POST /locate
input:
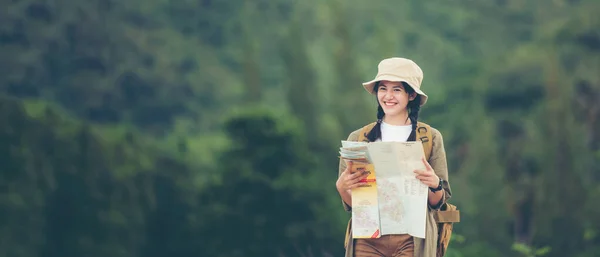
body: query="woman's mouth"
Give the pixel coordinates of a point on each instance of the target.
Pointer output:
(389, 103)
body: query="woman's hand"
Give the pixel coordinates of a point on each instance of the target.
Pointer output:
(348, 179)
(428, 176)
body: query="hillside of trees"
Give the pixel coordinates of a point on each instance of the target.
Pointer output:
(211, 128)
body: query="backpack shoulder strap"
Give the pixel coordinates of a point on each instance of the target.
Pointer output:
(362, 135)
(424, 134)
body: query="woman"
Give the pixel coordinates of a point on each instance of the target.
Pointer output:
(397, 87)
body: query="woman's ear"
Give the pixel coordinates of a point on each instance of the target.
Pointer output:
(412, 96)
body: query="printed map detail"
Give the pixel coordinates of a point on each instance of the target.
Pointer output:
(390, 205)
(365, 222)
(365, 211)
(401, 206)
(402, 198)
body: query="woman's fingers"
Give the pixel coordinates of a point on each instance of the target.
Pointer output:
(423, 173)
(348, 166)
(424, 178)
(358, 174)
(353, 180)
(356, 184)
(359, 184)
(357, 177)
(428, 180)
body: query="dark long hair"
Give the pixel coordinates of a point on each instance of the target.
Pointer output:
(413, 114)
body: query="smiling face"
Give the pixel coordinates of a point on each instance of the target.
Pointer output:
(394, 98)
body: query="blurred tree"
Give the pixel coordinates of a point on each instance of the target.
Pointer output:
(303, 96)
(264, 203)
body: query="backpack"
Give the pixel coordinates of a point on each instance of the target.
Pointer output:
(448, 214)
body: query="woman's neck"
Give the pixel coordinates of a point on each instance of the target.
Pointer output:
(398, 120)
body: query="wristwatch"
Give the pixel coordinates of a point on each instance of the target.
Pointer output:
(438, 188)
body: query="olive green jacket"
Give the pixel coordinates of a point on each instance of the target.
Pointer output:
(423, 247)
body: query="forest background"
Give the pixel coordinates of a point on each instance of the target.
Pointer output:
(211, 128)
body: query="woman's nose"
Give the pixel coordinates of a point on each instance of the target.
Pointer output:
(387, 95)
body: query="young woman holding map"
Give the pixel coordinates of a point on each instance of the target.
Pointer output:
(397, 87)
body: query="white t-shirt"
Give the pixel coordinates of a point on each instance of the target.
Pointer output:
(396, 133)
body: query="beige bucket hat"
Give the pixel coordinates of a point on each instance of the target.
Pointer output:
(399, 70)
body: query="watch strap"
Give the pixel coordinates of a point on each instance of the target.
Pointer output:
(438, 188)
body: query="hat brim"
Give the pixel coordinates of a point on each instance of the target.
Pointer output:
(369, 86)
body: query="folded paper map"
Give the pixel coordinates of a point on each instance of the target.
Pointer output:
(394, 201)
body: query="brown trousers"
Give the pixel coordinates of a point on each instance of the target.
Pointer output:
(385, 246)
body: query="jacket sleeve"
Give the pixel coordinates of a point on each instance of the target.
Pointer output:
(438, 162)
(342, 166)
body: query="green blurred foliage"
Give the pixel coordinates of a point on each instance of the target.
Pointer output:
(211, 128)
